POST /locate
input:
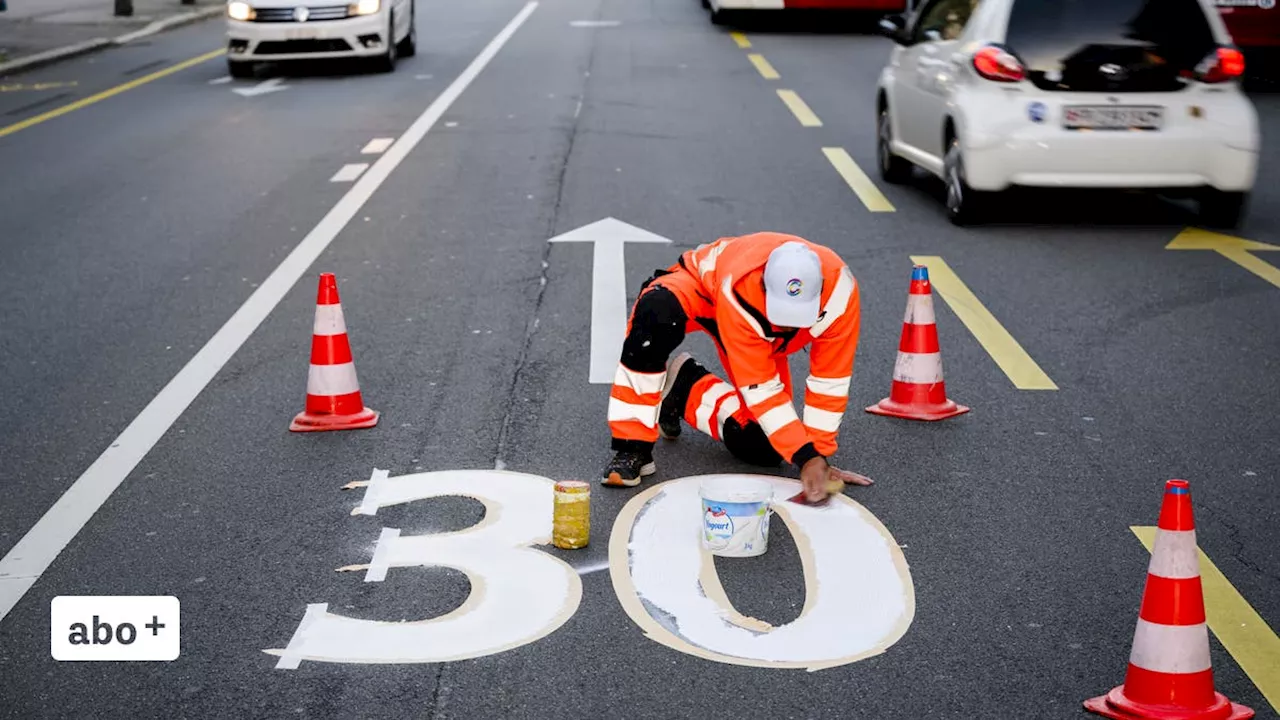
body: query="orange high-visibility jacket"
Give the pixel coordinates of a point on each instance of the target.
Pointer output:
(730, 274)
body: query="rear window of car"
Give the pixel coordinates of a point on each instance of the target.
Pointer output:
(1079, 44)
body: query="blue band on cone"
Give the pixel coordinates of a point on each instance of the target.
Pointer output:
(920, 272)
(1175, 490)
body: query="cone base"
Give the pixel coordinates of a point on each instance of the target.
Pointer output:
(1116, 706)
(309, 422)
(889, 408)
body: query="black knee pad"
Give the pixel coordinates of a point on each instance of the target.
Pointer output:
(657, 329)
(749, 444)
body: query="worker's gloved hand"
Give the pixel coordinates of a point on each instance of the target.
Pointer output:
(814, 475)
(848, 477)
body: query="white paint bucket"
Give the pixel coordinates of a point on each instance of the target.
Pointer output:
(735, 516)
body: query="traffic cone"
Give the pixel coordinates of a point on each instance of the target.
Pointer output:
(1169, 676)
(333, 393)
(918, 392)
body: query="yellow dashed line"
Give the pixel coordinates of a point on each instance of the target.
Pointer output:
(741, 39)
(72, 107)
(858, 181)
(999, 344)
(766, 70)
(1237, 625)
(798, 108)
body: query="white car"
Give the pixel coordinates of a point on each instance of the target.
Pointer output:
(1134, 94)
(277, 30)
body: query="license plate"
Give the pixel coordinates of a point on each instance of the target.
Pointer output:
(302, 34)
(1110, 117)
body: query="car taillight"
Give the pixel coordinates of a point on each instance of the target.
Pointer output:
(996, 63)
(1221, 65)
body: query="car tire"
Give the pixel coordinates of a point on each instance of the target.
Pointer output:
(1223, 210)
(239, 69)
(387, 61)
(722, 17)
(409, 45)
(893, 169)
(706, 4)
(965, 206)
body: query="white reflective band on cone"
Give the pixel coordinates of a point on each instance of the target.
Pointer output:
(642, 383)
(820, 419)
(919, 310)
(707, 406)
(727, 409)
(331, 380)
(831, 387)
(757, 394)
(1174, 555)
(329, 321)
(1170, 648)
(918, 368)
(621, 412)
(777, 418)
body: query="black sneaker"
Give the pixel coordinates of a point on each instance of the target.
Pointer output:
(628, 468)
(682, 372)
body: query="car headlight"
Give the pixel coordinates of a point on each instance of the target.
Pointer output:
(365, 7)
(239, 11)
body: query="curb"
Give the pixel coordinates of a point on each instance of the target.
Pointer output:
(167, 23)
(51, 56)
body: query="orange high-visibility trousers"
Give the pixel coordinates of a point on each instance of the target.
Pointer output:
(669, 307)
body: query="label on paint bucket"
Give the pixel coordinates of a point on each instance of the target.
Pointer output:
(735, 518)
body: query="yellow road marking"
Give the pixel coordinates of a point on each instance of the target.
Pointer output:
(999, 344)
(766, 70)
(71, 107)
(741, 39)
(1237, 625)
(798, 108)
(1237, 250)
(858, 181)
(20, 87)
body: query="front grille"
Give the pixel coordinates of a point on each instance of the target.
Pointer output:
(289, 47)
(315, 14)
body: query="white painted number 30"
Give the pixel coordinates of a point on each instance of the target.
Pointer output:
(859, 598)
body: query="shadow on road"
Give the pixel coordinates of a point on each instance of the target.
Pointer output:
(1072, 207)
(328, 68)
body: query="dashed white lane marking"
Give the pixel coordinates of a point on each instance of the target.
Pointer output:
(32, 555)
(377, 146)
(349, 172)
(595, 23)
(220, 81)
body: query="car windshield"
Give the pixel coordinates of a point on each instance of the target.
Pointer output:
(1109, 45)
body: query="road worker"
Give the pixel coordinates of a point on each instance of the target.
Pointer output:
(761, 298)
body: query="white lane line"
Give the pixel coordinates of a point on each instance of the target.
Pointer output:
(27, 561)
(349, 172)
(595, 23)
(377, 146)
(220, 81)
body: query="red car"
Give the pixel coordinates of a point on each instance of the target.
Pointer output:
(1255, 27)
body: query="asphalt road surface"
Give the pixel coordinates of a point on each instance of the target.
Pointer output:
(135, 226)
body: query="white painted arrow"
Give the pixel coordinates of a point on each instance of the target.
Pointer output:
(608, 289)
(262, 88)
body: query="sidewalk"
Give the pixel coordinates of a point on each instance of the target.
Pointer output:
(36, 31)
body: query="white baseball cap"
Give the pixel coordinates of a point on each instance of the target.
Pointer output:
(793, 286)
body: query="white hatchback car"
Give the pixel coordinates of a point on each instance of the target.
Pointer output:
(276, 30)
(1134, 94)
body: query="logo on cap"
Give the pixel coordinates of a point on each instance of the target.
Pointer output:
(794, 286)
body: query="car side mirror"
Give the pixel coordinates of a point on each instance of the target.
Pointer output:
(895, 28)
